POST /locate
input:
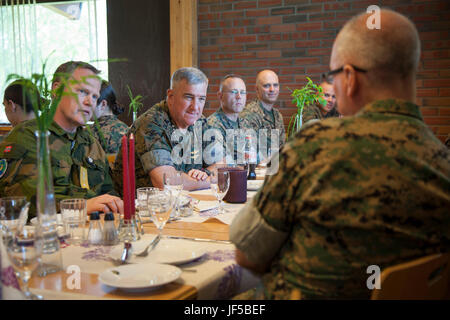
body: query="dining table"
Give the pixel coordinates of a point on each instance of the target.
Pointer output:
(209, 273)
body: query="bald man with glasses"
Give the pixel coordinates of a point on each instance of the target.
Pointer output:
(369, 189)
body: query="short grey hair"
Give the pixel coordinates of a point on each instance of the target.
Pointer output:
(228, 76)
(190, 74)
(389, 52)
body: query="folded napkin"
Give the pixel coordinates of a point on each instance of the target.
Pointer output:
(204, 205)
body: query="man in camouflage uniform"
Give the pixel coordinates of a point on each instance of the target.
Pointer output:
(79, 165)
(168, 136)
(112, 130)
(108, 129)
(232, 95)
(318, 111)
(261, 113)
(372, 188)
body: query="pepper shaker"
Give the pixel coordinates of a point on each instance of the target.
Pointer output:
(110, 234)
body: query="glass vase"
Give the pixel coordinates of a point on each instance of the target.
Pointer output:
(51, 260)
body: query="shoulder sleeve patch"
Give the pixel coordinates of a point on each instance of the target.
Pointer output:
(3, 167)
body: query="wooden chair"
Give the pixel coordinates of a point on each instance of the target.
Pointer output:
(424, 278)
(111, 159)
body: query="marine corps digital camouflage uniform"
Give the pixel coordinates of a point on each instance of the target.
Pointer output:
(372, 189)
(313, 112)
(218, 120)
(255, 116)
(153, 146)
(69, 153)
(112, 129)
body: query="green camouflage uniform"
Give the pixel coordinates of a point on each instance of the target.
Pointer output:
(372, 189)
(255, 116)
(313, 112)
(153, 146)
(68, 151)
(218, 120)
(113, 129)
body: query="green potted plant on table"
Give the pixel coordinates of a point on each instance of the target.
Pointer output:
(308, 95)
(135, 103)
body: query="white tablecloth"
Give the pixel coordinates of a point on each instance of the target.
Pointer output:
(217, 275)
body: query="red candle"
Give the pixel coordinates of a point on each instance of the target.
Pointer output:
(132, 176)
(126, 179)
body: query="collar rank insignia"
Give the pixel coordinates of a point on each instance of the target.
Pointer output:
(7, 149)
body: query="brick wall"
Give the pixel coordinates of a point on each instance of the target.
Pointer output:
(294, 38)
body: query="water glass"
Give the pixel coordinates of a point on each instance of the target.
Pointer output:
(173, 181)
(74, 218)
(142, 196)
(13, 214)
(24, 249)
(161, 203)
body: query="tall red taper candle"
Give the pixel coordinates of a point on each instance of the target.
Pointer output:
(126, 179)
(132, 175)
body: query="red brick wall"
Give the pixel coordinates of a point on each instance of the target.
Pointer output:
(294, 38)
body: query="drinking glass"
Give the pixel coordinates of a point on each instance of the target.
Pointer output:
(161, 204)
(74, 218)
(24, 249)
(220, 182)
(173, 181)
(142, 196)
(13, 215)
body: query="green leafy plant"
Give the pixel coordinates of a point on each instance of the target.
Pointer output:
(308, 95)
(135, 103)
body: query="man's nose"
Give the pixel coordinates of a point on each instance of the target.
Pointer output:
(89, 100)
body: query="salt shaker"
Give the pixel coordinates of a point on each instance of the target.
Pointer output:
(95, 229)
(110, 234)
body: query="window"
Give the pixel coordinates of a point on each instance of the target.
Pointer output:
(68, 30)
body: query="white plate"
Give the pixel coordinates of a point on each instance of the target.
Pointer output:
(58, 219)
(138, 276)
(167, 251)
(254, 185)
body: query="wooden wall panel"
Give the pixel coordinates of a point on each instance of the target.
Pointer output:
(183, 34)
(139, 31)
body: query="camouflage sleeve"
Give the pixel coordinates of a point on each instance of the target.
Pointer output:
(308, 114)
(153, 146)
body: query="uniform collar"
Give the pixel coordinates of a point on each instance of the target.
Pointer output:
(223, 115)
(57, 130)
(397, 106)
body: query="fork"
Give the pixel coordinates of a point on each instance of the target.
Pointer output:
(152, 245)
(125, 252)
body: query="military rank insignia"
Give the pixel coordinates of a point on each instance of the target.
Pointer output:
(3, 167)
(7, 149)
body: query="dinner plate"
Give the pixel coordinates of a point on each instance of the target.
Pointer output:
(167, 251)
(138, 276)
(254, 185)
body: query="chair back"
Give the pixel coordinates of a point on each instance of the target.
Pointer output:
(424, 278)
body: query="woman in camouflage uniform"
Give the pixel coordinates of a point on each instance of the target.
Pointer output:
(106, 113)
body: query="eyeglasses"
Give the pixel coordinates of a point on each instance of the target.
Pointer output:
(329, 76)
(235, 92)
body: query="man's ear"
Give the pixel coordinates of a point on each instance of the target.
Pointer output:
(219, 95)
(13, 105)
(55, 85)
(350, 80)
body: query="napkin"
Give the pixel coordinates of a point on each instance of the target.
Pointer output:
(203, 205)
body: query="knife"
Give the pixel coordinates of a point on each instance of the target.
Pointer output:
(199, 239)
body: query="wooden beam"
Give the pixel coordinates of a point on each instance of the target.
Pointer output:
(183, 34)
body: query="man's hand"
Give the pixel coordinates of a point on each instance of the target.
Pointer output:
(105, 203)
(198, 175)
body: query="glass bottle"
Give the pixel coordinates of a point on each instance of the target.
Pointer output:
(95, 234)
